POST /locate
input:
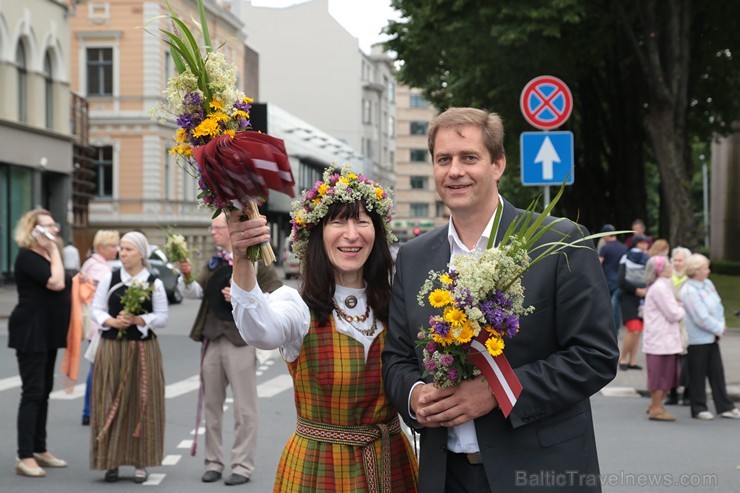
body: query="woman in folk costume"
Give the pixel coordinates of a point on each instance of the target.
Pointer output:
(331, 334)
(127, 419)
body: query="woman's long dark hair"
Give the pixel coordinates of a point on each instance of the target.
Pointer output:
(317, 273)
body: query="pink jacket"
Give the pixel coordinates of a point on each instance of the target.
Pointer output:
(661, 315)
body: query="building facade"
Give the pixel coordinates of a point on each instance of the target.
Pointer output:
(121, 66)
(418, 206)
(315, 70)
(35, 136)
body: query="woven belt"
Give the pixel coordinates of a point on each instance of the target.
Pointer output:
(364, 436)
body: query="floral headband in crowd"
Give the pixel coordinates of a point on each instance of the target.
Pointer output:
(344, 186)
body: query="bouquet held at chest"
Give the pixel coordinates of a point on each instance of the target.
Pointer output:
(134, 298)
(480, 300)
(235, 166)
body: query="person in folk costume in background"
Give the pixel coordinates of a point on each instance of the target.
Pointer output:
(331, 334)
(225, 360)
(127, 419)
(37, 327)
(661, 340)
(96, 267)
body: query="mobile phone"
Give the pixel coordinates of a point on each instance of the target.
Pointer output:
(43, 231)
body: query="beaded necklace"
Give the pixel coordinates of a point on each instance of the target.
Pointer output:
(358, 318)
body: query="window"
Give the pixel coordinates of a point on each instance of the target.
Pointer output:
(100, 71)
(369, 151)
(419, 182)
(367, 116)
(49, 91)
(419, 128)
(20, 63)
(104, 171)
(391, 92)
(391, 126)
(418, 101)
(419, 210)
(440, 209)
(418, 156)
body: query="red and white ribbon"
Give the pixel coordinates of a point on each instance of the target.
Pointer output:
(498, 372)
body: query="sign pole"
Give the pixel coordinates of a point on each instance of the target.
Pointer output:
(547, 196)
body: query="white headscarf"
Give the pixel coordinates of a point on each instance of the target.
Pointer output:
(140, 243)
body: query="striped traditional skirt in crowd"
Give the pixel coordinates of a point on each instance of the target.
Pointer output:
(127, 416)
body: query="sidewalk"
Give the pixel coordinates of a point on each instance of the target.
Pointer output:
(630, 382)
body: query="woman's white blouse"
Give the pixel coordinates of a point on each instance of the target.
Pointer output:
(155, 320)
(281, 319)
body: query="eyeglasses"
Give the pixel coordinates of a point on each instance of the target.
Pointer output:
(216, 228)
(52, 225)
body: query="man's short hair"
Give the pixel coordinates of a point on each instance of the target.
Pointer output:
(491, 125)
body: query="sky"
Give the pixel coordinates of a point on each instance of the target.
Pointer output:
(362, 18)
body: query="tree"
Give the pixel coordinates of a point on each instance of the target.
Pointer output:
(640, 73)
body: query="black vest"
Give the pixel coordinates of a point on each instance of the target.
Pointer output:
(116, 292)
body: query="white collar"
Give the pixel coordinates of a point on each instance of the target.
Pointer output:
(456, 243)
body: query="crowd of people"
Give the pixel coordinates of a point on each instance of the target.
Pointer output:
(666, 297)
(349, 334)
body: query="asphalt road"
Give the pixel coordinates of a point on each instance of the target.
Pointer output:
(636, 455)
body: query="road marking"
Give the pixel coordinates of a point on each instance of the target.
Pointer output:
(62, 395)
(201, 431)
(274, 386)
(619, 392)
(185, 444)
(154, 479)
(10, 383)
(171, 460)
(182, 387)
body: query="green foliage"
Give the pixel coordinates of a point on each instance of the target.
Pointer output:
(728, 287)
(472, 53)
(727, 268)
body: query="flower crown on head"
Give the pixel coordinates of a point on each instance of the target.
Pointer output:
(344, 186)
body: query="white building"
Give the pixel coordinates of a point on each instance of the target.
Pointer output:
(311, 66)
(35, 135)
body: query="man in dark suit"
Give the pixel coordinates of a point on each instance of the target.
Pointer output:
(564, 352)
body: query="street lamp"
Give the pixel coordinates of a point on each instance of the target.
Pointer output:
(705, 198)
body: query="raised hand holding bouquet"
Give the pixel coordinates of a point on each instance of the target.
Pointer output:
(234, 165)
(481, 299)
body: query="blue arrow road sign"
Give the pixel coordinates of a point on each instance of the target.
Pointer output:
(547, 158)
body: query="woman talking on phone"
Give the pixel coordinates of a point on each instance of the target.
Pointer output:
(36, 329)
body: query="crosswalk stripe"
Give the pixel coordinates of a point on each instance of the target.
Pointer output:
(171, 460)
(62, 395)
(266, 389)
(10, 383)
(182, 387)
(274, 386)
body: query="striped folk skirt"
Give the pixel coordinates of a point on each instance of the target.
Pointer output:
(127, 416)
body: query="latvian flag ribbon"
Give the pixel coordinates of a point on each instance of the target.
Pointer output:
(498, 372)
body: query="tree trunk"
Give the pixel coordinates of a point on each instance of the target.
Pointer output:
(674, 181)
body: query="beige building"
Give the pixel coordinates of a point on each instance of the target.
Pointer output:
(121, 66)
(35, 137)
(418, 207)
